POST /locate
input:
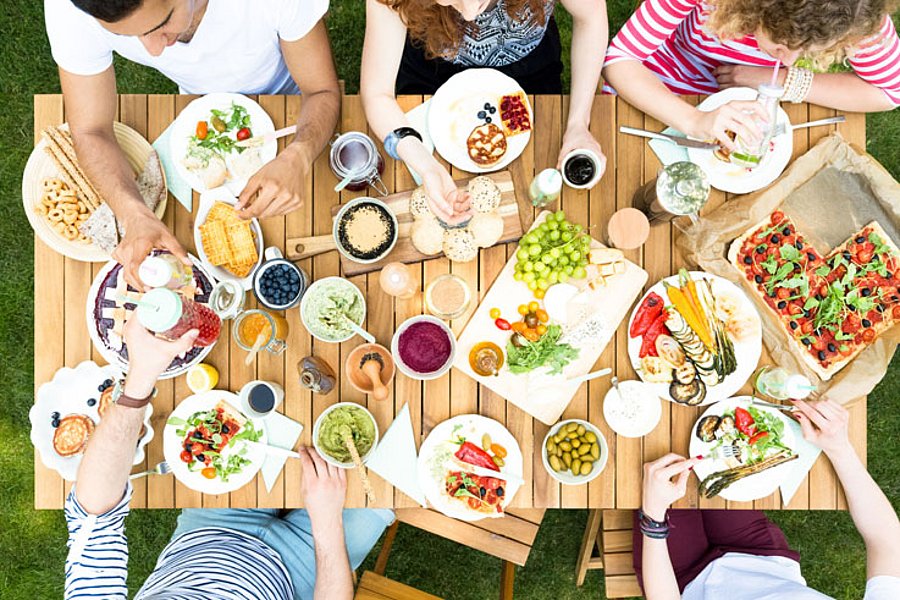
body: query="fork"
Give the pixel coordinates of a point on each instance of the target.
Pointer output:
(162, 468)
(780, 128)
(722, 452)
(765, 404)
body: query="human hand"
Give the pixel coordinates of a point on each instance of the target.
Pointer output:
(447, 202)
(277, 188)
(143, 233)
(737, 116)
(579, 137)
(730, 76)
(659, 490)
(149, 356)
(324, 488)
(825, 424)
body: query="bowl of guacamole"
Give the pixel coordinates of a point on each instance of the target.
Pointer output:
(336, 423)
(327, 306)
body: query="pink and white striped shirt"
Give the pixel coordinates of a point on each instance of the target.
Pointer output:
(671, 38)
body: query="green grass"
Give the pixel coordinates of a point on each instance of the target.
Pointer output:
(32, 543)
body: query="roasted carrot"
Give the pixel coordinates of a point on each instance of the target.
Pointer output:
(689, 288)
(683, 305)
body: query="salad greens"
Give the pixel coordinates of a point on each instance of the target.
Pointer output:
(757, 440)
(225, 463)
(546, 351)
(222, 124)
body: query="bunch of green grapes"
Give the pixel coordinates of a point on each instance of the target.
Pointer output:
(551, 253)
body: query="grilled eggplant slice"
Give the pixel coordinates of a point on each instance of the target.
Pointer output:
(687, 393)
(707, 427)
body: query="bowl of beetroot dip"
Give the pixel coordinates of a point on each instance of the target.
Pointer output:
(423, 347)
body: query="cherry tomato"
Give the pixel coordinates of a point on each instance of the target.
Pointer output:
(539, 293)
(895, 312)
(541, 329)
(519, 327)
(243, 133)
(474, 503)
(209, 473)
(533, 306)
(186, 456)
(868, 335)
(523, 309)
(498, 450)
(202, 130)
(542, 315)
(495, 313)
(777, 217)
(807, 327)
(531, 335)
(782, 293)
(864, 256)
(502, 324)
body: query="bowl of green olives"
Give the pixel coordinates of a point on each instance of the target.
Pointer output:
(574, 452)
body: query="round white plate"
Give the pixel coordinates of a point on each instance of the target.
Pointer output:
(453, 114)
(747, 351)
(185, 125)
(110, 354)
(172, 446)
(439, 447)
(635, 415)
(67, 393)
(732, 178)
(207, 199)
(40, 166)
(752, 487)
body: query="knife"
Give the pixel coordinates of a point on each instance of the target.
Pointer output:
(260, 140)
(681, 141)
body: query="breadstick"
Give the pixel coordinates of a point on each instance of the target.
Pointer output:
(62, 151)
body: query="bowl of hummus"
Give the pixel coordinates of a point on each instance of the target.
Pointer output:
(337, 423)
(327, 306)
(423, 347)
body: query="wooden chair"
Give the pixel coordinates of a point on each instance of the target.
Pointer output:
(609, 533)
(510, 539)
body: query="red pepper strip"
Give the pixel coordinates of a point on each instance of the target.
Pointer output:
(657, 328)
(471, 454)
(647, 313)
(760, 435)
(744, 422)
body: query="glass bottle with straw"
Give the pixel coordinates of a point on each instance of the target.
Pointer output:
(748, 154)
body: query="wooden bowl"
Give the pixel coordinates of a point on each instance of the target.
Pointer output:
(353, 367)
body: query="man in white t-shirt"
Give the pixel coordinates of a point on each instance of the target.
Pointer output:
(248, 46)
(739, 554)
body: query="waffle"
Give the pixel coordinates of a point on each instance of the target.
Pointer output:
(215, 242)
(72, 434)
(228, 240)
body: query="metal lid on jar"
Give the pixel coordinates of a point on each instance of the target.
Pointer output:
(159, 309)
(227, 299)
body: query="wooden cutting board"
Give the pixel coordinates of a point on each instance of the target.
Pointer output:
(589, 324)
(404, 251)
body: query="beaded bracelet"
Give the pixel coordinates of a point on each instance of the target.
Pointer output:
(797, 84)
(657, 530)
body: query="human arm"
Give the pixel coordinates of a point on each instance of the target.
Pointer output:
(324, 488)
(382, 52)
(277, 188)
(825, 424)
(659, 492)
(90, 111)
(590, 34)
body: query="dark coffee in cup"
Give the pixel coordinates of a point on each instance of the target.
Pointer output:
(262, 398)
(580, 169)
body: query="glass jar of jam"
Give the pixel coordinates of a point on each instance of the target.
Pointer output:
(170, 316)
(354, 155)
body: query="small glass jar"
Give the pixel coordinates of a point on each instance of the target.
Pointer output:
(251, 324)
(170, 316)
(355, 155)
(448, 297)
(227, 299)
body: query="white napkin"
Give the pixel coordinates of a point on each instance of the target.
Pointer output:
(808, 455)
(668, 152)
(177, 186)
(282, 432)
(394, 458)
(418, 120)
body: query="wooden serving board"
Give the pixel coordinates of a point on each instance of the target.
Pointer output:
(543, 396)
(404, 251)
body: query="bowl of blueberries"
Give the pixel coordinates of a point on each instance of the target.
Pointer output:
(278, 283)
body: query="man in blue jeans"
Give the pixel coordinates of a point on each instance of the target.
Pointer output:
(213, 554)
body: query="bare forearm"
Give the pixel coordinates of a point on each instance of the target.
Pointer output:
(388, 116)
(316, 123)
(589, 39)
(643, 90)
(658, 574)
(846, 91)
(334, 580)
(103, 162)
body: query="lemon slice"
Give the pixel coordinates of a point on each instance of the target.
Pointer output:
(202, 378)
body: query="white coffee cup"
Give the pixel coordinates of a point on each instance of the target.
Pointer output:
(277, 397)
(590, 155)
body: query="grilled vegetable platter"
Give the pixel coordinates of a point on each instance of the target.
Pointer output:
(748, 450)
(695, 337)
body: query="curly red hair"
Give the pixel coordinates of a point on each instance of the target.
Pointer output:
(439, 30)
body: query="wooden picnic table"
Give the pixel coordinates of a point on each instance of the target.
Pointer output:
(61, 337)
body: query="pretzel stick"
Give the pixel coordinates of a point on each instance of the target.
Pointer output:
(62, 151)
(354, 454)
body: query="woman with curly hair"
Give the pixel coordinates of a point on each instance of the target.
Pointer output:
(671, 47)
(414, 46)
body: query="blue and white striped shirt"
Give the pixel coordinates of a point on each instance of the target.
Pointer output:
(211, 563)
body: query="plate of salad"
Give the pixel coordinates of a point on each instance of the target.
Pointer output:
(463, 467)
(204, 136)
(206, 442)
(760, 450)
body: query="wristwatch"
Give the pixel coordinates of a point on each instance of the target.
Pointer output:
(394, 137)
(119, 397)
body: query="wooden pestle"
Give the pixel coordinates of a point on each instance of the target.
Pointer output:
(371, 367)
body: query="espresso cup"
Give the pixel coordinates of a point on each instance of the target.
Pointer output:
(577, 162)
(260, 398)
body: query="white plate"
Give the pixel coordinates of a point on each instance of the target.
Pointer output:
(755, 486)
(67, 393)
(566, 477)
(110, 354)
(40, 166)
(637, 414)
(172, 446)
(747, 351)
(453, 115)
(185, 125)
(732, 178)
(207, 199)
(438, 447)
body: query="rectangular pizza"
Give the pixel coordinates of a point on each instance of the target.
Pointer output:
(832, 307)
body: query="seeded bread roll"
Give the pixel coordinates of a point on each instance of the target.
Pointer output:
(485, 194)
(459, 245)
(427, 236)
(418, 204)
(486, 228)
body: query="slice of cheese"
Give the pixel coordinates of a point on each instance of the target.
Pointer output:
(604, 256)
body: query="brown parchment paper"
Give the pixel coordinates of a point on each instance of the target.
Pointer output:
(830, 192)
